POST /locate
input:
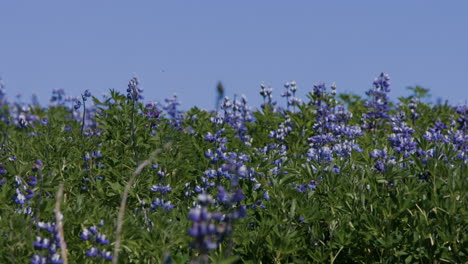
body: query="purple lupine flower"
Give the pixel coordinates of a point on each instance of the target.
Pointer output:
(203, 229)
(401, 139)
(305, 187)
(98, 240)
(435, 133)
(55, 259)
(106, 255)
(378, 154)
(287, 93)
(77, 104)
(38, 259)
(238, 196)
(29, 194)
(378, 105)
(38, 244)
(50, 243)
(380, 166)
(167, 206)
(413, 106)
(332, 133)
(86, 94)
(19, 198)
(267, 94)
(134, 93)
(161, 189)
(92, 252)
(336, 169)
(57, 97)
(283, 130)
(176, 118)
(151, 111)
(32, 181)
(381, 156)
(101, 239)
(93, 229)
(462, 120)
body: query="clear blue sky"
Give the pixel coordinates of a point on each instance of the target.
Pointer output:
(185, 47)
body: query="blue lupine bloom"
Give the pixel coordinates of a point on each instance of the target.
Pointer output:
(267, 94)
(283, 130)
(435, 133)
(97, 239)
(237, 196)
(38, 259)
(101, 239)
(336, 169)
(107, 255)
(133, 91)
(168, 206)
(333, 135)
(55, 259)
(170, 107)
(380, 166)
(198, 189)
(29, 194)
(378, 154)
(163, 204)
(161, 189)
(41, 243)
(203, 229)
(96, 154)
(86, 94)
(77, 104)
(305, 187)
(378, 106)
(199, 214)
(93, 229)
(19, 198)
(50, 243)
(92, 252)
(32, 181)
(152, 112)
(57, 97)
(53, 247)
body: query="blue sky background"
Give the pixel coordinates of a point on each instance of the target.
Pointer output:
(186, 47)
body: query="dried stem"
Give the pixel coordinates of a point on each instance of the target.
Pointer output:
(120, 218)
(59, 224)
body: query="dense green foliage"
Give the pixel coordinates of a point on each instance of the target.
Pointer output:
(299, 209)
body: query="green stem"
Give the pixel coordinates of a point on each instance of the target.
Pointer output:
(133, 132)
(84, 115)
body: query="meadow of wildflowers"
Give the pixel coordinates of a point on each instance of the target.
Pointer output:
(331, 178)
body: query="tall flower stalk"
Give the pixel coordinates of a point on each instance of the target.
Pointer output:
(379, 104)
(134, 94)
(84, 97)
